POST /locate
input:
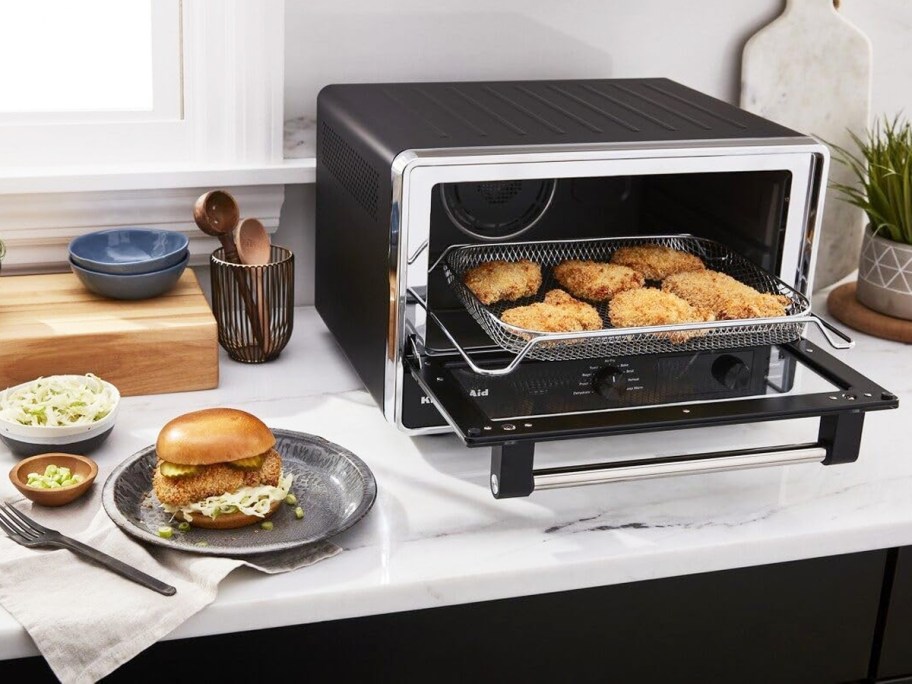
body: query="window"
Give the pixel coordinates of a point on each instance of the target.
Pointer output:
(90, 60)
(139, 84)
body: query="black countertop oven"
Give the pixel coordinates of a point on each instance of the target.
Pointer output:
(416, 183)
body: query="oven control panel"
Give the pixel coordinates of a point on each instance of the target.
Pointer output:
(540, 388)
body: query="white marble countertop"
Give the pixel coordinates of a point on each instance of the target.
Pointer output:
(436, 536)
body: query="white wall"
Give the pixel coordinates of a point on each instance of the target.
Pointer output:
(698, 43)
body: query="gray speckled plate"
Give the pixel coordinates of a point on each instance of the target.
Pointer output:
(333, 486)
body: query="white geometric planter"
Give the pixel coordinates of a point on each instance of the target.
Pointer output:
(885, 276)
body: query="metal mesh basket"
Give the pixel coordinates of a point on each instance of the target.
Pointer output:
(622, 341)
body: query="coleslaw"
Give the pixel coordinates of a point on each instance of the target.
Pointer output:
(255, 501)
(58, 401)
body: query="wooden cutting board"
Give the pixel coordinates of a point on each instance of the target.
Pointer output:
(810, 70)
(50, 324)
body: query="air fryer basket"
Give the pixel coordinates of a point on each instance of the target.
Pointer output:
(622, 341)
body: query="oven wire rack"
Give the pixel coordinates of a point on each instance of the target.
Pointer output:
(610, 341)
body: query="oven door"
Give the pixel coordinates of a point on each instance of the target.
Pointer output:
(542, 400)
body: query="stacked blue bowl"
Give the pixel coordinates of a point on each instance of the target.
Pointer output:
(129, 263)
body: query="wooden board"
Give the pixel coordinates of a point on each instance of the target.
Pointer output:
(810, 70)
(843, 306)
(50, 324)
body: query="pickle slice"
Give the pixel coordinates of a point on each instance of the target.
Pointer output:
(177, 470)
(249, 463)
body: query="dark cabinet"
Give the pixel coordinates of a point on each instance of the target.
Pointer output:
(896, 647)
(817, 620)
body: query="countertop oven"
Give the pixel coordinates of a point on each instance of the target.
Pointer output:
(416, 182)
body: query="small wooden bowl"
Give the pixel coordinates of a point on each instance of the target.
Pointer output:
(79, 465)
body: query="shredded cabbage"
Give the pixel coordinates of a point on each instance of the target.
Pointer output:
(59, 400)
(248, 500)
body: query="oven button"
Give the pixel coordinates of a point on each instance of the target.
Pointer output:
(731, 372)
(610, 382)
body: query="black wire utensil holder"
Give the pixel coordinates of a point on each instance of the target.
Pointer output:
(253, 305)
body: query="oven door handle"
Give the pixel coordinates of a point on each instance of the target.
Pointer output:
(512, 472)
(574, 476)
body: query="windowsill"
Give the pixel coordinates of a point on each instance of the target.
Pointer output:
(299, 166)
(123, 177)
(42, 209)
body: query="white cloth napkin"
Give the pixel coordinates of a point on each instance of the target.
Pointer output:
(88, 621)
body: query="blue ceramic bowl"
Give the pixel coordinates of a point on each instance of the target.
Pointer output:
(140, 286)
(129, 250)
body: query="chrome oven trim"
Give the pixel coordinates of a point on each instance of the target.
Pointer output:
(802, 243)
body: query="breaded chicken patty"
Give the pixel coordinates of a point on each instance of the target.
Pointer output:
(558, 313)
(596, 281)
(656, 262)
(649, 306)
(727, 298)
(498, 281)
(214, 480)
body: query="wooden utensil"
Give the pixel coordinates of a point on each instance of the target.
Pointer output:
(254, 248)
(216, 213)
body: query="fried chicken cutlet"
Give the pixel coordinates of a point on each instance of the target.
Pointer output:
(649, 306)
(727, 298)
(558, 313)
(656, 262)
(214, 480)
(497, 281)
(595, 280)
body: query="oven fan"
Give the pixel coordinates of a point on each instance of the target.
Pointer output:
(497, 210)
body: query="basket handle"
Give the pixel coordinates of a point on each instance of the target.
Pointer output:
(836, 337)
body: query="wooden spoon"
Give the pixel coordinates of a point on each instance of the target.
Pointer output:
(253, 244)
(254, 248)
(216, 213)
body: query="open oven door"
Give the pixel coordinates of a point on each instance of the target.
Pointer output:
(544, 400)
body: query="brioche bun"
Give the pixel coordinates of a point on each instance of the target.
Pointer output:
(215, 435)
(228, 521)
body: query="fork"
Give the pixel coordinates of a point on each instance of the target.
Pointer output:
(23, 530)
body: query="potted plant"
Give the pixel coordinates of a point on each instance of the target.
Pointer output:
(883, 167)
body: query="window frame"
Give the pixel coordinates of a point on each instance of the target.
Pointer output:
(230, 136)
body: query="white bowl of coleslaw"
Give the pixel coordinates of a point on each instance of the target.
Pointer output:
(68, 413)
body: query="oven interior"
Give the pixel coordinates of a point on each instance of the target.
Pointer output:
(745, 211)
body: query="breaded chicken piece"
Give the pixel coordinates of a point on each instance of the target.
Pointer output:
(727, 298)
(497, 281)
(656, 262)
(558, 313)
(596, 281)
(649, 306)
(213, 480)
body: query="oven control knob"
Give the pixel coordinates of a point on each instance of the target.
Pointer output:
(610, 382)
(731, 372)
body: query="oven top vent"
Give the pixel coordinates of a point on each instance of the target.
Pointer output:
(402, 116)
